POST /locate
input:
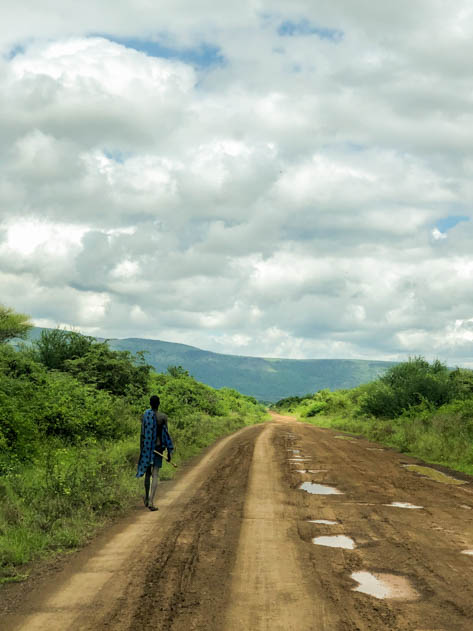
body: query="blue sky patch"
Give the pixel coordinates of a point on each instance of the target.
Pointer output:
(202, 56)
(117, 156)
(445, 224)
(18, 49)
(304, 27)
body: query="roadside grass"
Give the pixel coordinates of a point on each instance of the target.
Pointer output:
(58, 502)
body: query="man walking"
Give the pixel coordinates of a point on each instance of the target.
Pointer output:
(154, 437)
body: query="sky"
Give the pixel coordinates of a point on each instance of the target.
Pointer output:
(279, 179)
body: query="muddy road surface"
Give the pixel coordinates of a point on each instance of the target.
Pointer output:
(281, 526)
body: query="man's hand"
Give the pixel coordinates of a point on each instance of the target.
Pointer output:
(169, 457)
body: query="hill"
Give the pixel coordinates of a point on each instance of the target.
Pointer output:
(264, 378)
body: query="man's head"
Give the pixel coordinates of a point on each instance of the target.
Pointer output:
(154, 402)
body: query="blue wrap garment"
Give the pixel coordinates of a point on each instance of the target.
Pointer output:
(149, 429)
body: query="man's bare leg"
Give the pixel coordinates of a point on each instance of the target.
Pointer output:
(147, 484)
(154, 486)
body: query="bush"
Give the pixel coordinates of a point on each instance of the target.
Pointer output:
(409, 384)
(117, 372)
(56, 346)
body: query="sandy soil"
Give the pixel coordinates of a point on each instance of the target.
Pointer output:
(231, 547)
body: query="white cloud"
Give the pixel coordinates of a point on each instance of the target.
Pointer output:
(284, 202)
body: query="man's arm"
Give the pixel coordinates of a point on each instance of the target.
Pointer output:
(169, 444)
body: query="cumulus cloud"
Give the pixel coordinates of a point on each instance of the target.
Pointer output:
(287, 181)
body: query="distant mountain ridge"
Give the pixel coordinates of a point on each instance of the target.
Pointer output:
(264, 378)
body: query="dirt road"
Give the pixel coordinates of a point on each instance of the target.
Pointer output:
(235, 546)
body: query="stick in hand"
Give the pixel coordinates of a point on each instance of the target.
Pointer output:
(163, 456)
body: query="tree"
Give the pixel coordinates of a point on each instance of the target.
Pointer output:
(178, 372)
(56, 346)
(13, 324)
(118, 372)
(406, 385)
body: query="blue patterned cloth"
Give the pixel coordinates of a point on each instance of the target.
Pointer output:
(150, 440)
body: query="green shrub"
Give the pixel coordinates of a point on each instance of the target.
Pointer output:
(408, 384)
(56, 346)
(117, 372)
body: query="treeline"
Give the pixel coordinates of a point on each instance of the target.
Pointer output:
(70, 410)
(416, 406)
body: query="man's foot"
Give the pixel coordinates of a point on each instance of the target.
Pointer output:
(145, 501)
(153, 508)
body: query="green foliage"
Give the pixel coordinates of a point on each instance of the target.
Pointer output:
(36, 404)
(289, 403)
(461, 380)
(13, 325)
(177, 371)
(57, 503)
(409, 384)
(56, 346)
(182, 396)
(117, 372)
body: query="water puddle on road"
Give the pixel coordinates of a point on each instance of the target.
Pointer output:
(469, 552)
(403, 505)
(329, 522)
(384, 586)
(433, 474)
(319, 489)
(374, 449)
(346, 438)
(337, 541)
(311, 470)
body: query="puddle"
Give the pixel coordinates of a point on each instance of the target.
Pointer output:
(319, 489)
(403, 505)
(299, 460)
(323, 521)
(384, 586)
(346, 438)
(433, 474)
(469, 552)
(374, 449)
(337, 541)
(465, 506)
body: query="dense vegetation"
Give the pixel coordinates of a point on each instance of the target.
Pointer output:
(416, 406)
(70, 409)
